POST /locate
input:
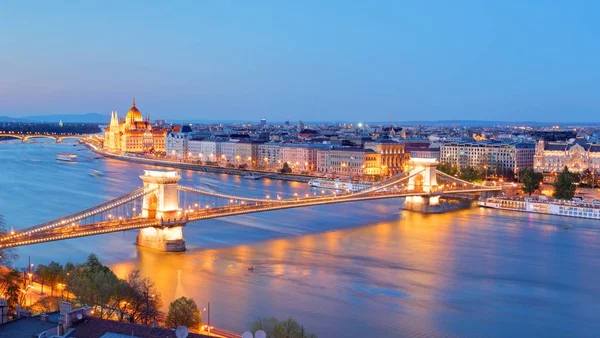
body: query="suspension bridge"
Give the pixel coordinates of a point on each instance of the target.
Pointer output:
(161, 207)
(25, 137)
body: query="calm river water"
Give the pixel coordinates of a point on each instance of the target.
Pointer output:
(356, 270)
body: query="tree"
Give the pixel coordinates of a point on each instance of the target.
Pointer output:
(470, 174)
(530, 179)
(588, 178)
(42, 275)
(10, 288)
(7, 256)
(54, 275)
(266, 324)
(447, 168)
(564, 187)
(288, 328)
(183, 311)
(286, 168)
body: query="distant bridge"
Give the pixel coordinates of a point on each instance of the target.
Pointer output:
(25, 137)
(162, 207)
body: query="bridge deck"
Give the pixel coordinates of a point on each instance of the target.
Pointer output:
(74, 231)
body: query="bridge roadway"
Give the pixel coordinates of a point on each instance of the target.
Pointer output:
(57, 137)
(74, 231)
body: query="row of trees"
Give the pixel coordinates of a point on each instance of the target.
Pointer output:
(134, 299)
(469, 173)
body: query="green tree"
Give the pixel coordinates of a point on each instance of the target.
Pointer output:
(54, 275)
(183, 311)
(588, 178)
(266, 324)
(41, 274)
(530, 179)
(288, 328)
(470, 174)
(10, 287)
(448, 168)
(286, 168)
(563, 187)
(7, 256)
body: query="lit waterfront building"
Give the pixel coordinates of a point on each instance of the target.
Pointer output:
(177, 142)
(269, 153)
(301, 157)
(577, 155)
(355, 162)
(133, 134)
(497, 157)
(392, 155)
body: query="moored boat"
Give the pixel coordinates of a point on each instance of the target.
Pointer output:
(338, 184)
(574, 208)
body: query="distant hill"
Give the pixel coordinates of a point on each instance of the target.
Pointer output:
(10, 119)
(76, 118)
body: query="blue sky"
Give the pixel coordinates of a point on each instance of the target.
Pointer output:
(311, 60)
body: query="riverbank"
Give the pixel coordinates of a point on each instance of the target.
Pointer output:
(205, 168)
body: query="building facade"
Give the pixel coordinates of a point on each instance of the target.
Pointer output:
(134, 134)
(300, 157)
(355, 162)
(269, 153)
(177, 142)
(495, 157)
(577, 155)
(391, 155)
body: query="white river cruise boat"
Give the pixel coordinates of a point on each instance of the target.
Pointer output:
(66, 157)
(575, 208)
(338, 184)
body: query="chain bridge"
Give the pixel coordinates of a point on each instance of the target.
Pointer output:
(161, 207)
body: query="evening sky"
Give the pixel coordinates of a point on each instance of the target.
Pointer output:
(311, 60)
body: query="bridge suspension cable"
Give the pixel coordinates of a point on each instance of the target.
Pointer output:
(78, 216)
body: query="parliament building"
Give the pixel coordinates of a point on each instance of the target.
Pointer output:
(134, 134)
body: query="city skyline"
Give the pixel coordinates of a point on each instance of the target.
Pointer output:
(310, 61)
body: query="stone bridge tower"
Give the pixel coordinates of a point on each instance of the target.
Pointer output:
(162, 203)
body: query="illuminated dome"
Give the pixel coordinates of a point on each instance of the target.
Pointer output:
(134, 115)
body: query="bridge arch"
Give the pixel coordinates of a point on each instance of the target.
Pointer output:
(423, 173)
(64, 137)
(17, 136)
(27, 137)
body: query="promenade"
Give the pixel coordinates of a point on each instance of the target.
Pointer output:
(163, 162)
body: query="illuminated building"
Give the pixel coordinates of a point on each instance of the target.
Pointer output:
(133, 134)
(577, 155)
(349, 161)
(497, 157)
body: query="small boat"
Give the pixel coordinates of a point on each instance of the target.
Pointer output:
(251, 176)
(66, 157)
(251, 269)
(95, 173)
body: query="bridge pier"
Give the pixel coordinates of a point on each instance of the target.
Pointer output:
(162, 203)
(420, 203)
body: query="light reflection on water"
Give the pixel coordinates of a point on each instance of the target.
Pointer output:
(341, 270)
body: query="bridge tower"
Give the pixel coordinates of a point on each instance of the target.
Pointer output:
(162, 203)
(423, 174)
(422, 178)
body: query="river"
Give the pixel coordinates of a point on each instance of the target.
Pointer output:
(356, 270)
